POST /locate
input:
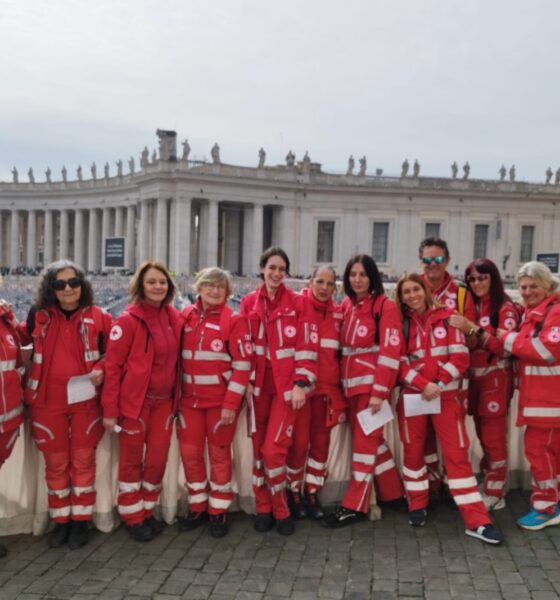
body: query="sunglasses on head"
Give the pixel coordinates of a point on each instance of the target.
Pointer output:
(479, 278)
(429, 260)
(59, 285)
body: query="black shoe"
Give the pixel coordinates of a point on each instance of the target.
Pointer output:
(263, 522)
(417, 518)
(59, 535)
(218, 525)
(285, 526)
(79, 534)
(156, 526)
(140, 532)
(192, 520)
(314, 509)
(343, 516)
(487, 533)
(398, 504)
(296, 504)
(3, 551)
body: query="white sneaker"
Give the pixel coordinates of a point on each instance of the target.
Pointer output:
(493, 502)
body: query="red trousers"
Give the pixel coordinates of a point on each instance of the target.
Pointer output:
(7, 442)
(275, 420)
(140, 473)
(68, 440)
(195, 427)
(542, 449)
(370, 457)
(451, 433)
(311, 440)
(431, 458)
(488, 403)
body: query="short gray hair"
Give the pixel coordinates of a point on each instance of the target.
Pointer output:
(214, 275)
(540, 272)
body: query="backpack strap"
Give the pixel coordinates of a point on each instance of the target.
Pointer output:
(539, 325)
(377, 317)
(406, 329)
(461, 298)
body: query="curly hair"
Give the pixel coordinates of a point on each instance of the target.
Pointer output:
(136, 285)
(45, 296)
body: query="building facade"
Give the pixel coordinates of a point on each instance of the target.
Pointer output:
(192, 214)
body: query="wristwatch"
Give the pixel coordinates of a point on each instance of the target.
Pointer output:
(480, 331)
(301, 384)
(440, 384)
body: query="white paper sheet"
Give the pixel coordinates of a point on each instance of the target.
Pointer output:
(80, 389)
(371, 421)
(415, 405)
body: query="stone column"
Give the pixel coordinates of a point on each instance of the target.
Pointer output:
(286, 234)
(105, 232)
(79, 257)
(14, 240)
(211, 258)
(93, 262)
(129, 245)
(160, 252)
(258, 225)
(31, 238)
(144, 231)
(64, 234)
(119, 221)
(182, 224)
(48, 238)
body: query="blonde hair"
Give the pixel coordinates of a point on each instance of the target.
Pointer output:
(540, 272)
(214, 275)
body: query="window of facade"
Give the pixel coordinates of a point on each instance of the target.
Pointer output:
(433, 229)
(527, 238)
(325, 241)
(380, 242)
(480, 241)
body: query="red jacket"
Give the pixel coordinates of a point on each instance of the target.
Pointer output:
(434, 351)
(537, 346)
(216, 363)
(447, 295)
(488, 355)
(94, 325)
(288, 335)
(128, 365)
(11, 393)
(370, 358)
(329, 320)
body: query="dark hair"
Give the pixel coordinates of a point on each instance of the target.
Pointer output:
(397, 293)
(375, 283)
(136, 285)
(269, 253)
(497, 293)
(433, 241)
(45, 296)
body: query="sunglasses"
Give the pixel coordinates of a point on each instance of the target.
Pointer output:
(479, 278)
(430, 260)
(59, 285)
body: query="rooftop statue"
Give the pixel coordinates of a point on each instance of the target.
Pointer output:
(119, 167)
(154, 156)
(215, 154)
(306, 162)
(131, 165)
(79, 172)
(557, 177)
(548, 174)
(416, 168)
(512, 173)
(466, 170)
(502, 173)
(262, 158)
(64, 174)
(15, 175)
(106, 170)
(93, 171)
(363, 166)
(145, 157)
(48, 174)
(186, 150)
(454, 169)
(167, 145)
(31, 175)
(404, 168)
(351, 165)
(290, 159)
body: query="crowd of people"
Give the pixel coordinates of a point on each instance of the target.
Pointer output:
(303, 364)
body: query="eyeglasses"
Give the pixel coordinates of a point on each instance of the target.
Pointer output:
(430, 260)
(213, 286)
(479, 278)
(59, 285)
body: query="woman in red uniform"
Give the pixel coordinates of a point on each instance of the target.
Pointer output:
(490, 373)
(286, 340)
(371, 340)
(140, 393)
(11, 393)
(537, 348)
(325, 407)
(69, 335)
(434, 360)
(217, 361)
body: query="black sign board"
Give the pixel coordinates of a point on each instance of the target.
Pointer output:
(114, 252)
(550, 259)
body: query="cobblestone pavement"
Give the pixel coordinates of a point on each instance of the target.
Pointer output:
(382, 560)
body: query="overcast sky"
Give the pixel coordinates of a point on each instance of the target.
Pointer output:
(437, 80)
